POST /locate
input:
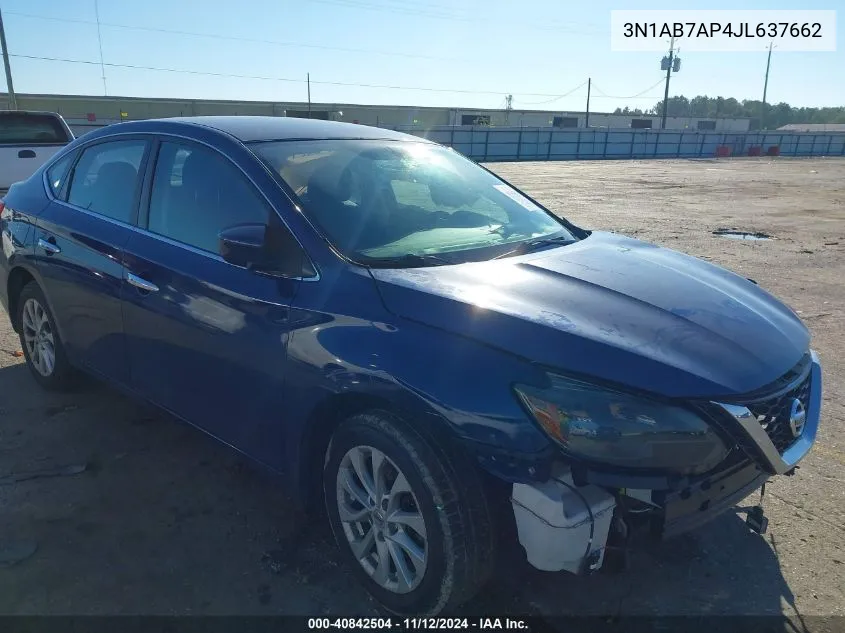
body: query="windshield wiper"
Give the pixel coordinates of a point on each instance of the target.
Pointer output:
(533, 245)
(410, 260)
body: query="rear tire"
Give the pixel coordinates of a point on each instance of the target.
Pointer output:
(42, 346)
(410, 515)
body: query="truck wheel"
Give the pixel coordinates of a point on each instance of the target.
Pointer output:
(42, 346)
(410, 516)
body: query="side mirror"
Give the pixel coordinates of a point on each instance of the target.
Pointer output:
(245, 245)
(264, 249)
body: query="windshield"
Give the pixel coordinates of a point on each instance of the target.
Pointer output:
(378, 201)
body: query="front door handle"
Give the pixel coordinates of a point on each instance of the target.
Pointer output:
(48, 247)
(141, 284)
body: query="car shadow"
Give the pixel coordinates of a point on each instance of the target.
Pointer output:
(720, 569)
(167, 520)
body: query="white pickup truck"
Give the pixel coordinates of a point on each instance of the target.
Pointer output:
(27, 141)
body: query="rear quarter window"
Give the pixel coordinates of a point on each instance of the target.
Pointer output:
(31, 129)
(57, 173)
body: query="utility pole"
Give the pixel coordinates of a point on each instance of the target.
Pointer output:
(667, 62)
(13, 102)
(508, 108)
(100, 43)
(309, 95)
(587, 120)
(765, 88)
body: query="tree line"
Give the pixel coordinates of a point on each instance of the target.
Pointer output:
(774, 117)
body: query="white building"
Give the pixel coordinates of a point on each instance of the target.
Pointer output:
(86, 112)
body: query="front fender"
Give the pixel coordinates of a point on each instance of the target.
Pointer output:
(426, 371)
(346, 353)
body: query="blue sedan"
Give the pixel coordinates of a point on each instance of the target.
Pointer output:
(422, 351)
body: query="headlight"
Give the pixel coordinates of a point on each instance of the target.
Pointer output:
(620, 429)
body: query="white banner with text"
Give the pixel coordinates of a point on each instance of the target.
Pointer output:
(723, 30)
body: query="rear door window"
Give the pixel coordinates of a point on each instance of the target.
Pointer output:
(106, 179)
(31, 129)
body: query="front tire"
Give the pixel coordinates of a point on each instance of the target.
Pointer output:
(409, 514)
(42, 346)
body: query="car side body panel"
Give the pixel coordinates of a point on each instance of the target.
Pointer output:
(23, 203)
(83, 282)
(209, 344)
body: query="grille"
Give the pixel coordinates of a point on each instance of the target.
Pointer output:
(773, 414)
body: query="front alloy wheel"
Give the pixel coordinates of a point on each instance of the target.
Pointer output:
(409, 513)
(381, 519)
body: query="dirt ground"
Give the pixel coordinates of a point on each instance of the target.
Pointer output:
(165, 521)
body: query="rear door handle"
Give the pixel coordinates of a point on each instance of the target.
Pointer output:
(48, 246)
(141, 284)
(26, 153)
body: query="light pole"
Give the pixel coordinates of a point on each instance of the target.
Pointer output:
(765, 88)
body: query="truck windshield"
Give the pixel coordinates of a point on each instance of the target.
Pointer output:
(31, 129)
(397, 203)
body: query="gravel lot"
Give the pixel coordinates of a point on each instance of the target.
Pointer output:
(165, 521)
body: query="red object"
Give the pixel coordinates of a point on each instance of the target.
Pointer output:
(774, 150)
(92, 116)
(723, 150)
(755, 150)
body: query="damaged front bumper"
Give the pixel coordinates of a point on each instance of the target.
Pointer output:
(566, 522)
(681, 511)
(797, 403)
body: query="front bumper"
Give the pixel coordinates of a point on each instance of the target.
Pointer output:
(669, 507)
(685, 510)
(696, 504)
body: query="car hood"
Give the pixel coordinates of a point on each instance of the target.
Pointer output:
(615, 309)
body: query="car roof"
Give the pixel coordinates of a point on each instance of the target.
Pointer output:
(271, 128)
(29, 112)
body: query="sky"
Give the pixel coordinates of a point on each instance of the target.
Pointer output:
(455, 53)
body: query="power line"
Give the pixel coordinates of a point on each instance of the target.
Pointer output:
(266, 78)
(579, 86)
(406, 10)
(137, 67)
(255, 40)
(603, 95)
(425, 5)
(426, 11)
(233, 38)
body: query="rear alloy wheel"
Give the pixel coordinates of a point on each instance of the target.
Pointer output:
(38, 337)
(42, 345)
(409, 513)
